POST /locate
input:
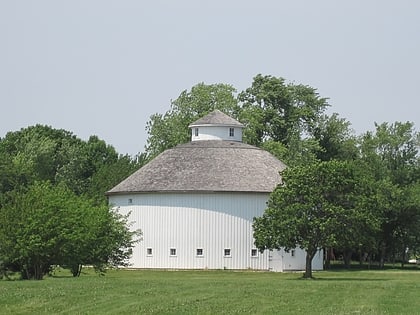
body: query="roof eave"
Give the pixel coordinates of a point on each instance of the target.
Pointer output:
(185, 192)
(216, 125)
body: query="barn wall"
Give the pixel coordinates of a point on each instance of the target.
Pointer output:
(210, 221)
(187, 222)
(295, 259)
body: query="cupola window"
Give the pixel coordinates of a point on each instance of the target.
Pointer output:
(196, 132)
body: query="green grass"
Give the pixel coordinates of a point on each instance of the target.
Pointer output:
(216, 292)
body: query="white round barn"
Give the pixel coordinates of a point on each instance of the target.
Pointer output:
(195, 203)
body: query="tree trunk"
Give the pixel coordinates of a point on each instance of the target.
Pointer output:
(327, 263)
(308, 267)
(362, 257)
(404, 257)
(347, 258)
(38, 271)
(76, 270)
(382, 256)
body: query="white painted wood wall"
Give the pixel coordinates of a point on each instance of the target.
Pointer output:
(210, 221)
(216, 133)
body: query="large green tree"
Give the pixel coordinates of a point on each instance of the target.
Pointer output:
(47, 225)
(280, 117)
(390, 155)
(314, 207)
(335, 138)
(170, 129)
(273, 109)
(40, 152)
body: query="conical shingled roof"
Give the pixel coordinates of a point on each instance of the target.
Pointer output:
(216, 117)
(206, 166)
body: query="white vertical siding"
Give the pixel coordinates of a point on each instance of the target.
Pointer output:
(280, 260)
(216, 133)
(213, 222)
(210, 221)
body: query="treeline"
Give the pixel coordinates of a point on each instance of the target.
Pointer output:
(353, 194)
(53, 208)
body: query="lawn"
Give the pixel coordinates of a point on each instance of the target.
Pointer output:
(215, 292)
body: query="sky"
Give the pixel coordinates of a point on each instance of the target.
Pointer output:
(101, 67)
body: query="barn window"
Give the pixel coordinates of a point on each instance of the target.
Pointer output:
(172, 251)
(292, 253)
(254, 252)
(149, 251)
(227, 252)
(231, 132)
(199, 252)
(196, 132)
(130, 201)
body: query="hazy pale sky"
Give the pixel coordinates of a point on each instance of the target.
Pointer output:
(99, 67)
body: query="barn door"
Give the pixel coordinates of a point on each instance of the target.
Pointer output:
(275, 261)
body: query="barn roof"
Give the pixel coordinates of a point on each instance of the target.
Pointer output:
(216, 117)
(206, 166)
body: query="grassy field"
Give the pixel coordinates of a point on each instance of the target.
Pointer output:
(215, 292)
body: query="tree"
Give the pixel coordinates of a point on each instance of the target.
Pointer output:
(313, 208)
(36, 153)
(391, 157)
(41, 153)
(108, 175)
(170, 129)
(275, 110)
(47, 225)
(278, 117)
(335, 138)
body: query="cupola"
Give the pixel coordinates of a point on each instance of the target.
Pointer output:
(216, 126)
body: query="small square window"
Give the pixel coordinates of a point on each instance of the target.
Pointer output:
(227, 252)
(172, 252)
(149, 251)
(254, 252)
(130, 201)
(231, 132)
(196, 132)
(199, 252)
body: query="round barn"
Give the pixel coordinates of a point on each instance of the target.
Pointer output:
(195, 203)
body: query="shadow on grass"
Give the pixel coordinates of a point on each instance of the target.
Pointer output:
(337, 266)
(358, 279)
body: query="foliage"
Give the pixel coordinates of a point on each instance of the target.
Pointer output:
(381, 170)
(335, 138)
(168, 130)
(315, 207)
(49, 225)
(280, 117)
(390, 156)
(40, 153)
(108, 175)
(274, 110)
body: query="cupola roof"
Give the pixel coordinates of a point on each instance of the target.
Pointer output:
(216, 118)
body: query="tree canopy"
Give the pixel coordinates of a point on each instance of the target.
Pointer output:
(310, 210)
(47, 225)
(353, 194)
(53, 208)
(290, 121)
(170, 129)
